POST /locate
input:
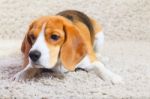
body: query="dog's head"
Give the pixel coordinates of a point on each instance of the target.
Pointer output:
(54, 39)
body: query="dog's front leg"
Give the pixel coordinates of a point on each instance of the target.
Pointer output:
(105, 73)
(101, 71)
(26, 73)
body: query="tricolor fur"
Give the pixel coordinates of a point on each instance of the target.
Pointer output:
(64, 42)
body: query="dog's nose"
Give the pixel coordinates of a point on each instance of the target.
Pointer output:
(34, 55)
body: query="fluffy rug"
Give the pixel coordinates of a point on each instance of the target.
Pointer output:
(127, 30)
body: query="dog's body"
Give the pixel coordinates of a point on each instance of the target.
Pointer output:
(64, 42)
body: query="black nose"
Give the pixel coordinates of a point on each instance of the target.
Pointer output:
(34, 55)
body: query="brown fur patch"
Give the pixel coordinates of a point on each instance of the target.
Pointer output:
(77, 16)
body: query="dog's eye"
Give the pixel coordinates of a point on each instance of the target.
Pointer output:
(54, 37)
(32, 37)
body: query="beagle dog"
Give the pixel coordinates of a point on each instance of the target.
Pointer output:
(64, 42)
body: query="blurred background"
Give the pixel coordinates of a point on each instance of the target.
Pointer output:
(121, 19)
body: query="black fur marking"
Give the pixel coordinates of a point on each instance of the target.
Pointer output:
(80, 69)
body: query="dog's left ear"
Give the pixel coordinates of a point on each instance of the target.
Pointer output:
(26, 46)
(74, 48)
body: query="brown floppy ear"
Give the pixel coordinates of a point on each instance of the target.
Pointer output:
(26, 46)
(74, 48)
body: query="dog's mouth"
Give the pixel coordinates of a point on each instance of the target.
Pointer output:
(37, 65)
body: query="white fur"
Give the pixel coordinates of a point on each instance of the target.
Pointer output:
(41, 46)
(99, 41)
(98, 45)
(105, 73)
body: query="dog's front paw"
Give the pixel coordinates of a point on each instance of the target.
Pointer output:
(116, 79)
(106, 74)
(112, 77)
(19, 77)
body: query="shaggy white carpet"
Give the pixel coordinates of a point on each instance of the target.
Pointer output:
(127, 30)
